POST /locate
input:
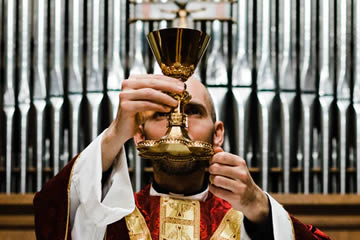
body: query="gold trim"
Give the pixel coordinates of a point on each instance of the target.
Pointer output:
(230, 226)
(68, 197)
(179, 219)
(177, 69)
(136, 226)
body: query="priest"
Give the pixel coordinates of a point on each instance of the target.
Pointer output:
(92, 197)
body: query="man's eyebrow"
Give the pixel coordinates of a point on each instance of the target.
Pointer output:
(196, 105)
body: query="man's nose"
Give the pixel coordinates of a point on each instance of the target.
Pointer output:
(190, 132)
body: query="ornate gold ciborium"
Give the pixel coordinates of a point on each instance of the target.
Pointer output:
(178, 51)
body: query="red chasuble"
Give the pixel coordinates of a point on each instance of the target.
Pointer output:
(52, 214)
(212, 212)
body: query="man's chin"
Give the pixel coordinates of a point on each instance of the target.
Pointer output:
(179, 168)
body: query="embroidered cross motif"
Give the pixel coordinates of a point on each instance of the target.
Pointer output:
(179, 219)
(179, 234)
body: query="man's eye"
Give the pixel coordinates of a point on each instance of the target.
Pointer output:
(193, 111)
(160, 115)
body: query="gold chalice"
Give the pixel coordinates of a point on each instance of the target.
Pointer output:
(178, 51)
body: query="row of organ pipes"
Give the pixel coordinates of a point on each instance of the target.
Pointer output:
(283, 75)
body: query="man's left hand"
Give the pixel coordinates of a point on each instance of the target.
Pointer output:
(231, 180)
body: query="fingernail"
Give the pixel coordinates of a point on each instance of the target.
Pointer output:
(180, 87)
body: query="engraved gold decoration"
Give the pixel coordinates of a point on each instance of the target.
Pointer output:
(178, 51)
(137, 227)
(230, 226)
(179, 219)
(178, 71)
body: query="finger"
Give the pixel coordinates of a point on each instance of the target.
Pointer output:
(227, 159)
(218, 149)
(163, 84)
(154, 76)
(226, 183)
(142, 106)
(237, 173)
(148, 94)
(221, 193)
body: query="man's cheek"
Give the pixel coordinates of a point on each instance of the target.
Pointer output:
(154, 130)
(200, 132)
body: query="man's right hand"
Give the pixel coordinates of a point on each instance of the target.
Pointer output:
(139, 93)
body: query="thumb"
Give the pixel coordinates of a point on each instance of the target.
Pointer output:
(218, 149)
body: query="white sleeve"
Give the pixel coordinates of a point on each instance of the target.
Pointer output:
(282, 224)
(91, 210)
(243, 233)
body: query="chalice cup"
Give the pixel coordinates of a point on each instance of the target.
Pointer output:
(177, 51)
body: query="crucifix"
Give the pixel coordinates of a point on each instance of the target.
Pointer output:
(182, 14)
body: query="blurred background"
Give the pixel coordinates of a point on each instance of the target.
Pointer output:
(284, 75)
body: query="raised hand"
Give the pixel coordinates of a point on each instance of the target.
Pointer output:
(230, 180)
(140, 93)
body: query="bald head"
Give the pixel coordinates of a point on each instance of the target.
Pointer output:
(197, 89)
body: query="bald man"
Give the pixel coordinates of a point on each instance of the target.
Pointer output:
(182, 202)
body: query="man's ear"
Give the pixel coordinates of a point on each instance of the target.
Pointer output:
(218, 137)
(139, 135)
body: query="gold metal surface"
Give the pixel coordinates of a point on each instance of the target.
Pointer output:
(178, 51)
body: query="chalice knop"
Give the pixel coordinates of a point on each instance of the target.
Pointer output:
(177, 51)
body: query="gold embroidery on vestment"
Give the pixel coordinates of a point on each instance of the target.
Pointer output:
(230, 226)
(179, 219)
(137, 227)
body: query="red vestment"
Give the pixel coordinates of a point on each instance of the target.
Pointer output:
(52, 212)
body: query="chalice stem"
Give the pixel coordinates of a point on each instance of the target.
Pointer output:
(178, 108)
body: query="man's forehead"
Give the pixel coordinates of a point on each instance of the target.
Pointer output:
(201, 95)
(197, 90)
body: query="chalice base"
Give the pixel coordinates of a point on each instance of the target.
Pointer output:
(179, 148)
